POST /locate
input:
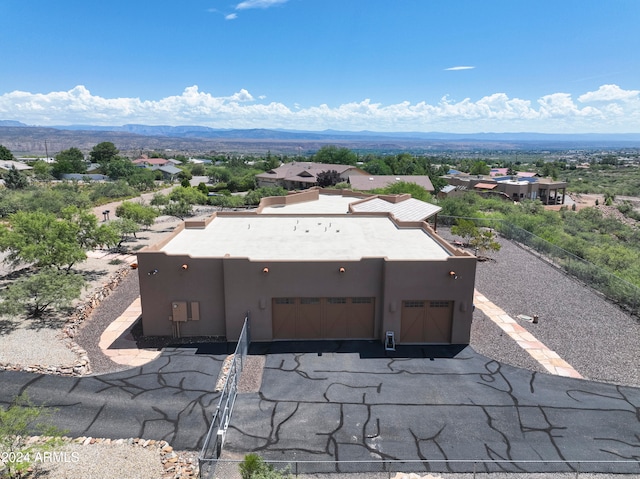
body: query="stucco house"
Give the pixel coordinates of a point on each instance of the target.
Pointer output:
(320, 264)
(302, 175)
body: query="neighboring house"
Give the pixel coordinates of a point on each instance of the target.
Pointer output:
(516, 188)
(372, 182)
(303, 175)
(150, 162)
(169, 172)
(320, 264)
(18, 165)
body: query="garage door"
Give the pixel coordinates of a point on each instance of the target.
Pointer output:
(323, 318)
(426, 321)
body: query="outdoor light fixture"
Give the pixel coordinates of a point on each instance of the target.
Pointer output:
(453, 274)
(342, 270)
(265, 270)
(153, 272)
(185, 266)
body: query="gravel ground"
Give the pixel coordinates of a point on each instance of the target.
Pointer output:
(595, 336)
(102, 462)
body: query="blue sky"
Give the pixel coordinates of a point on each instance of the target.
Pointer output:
(396, 65)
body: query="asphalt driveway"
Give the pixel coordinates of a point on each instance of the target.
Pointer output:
(171, 398)
(348, 401)
(351, 401)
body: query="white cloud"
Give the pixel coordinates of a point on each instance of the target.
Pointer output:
(553, 113)
(609, 93)
(231, 16)
(455, 69)
(247, 4)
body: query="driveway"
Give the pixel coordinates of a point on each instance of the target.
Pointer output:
(348, 401)
(351, 401)
(170, 398)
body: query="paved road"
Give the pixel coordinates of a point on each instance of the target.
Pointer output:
(349, 401)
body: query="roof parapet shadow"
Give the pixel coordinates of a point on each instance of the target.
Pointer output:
(366, 349)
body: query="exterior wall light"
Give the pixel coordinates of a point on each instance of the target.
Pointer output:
(185, 266)
(265, 270)
(153, 272)
(342, 270)
(453, 274)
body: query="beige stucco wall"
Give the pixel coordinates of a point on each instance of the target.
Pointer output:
(226, 288)
(410, 280)
(202, 281)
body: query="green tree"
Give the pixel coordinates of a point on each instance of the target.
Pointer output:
(36, 293)
(103, 153)
(466, 229)
(125, 227)
(15, 180)
(41, 239)
(69, 161)
(192, 196)
(378, 167)
(42, 170)
(179, 209)
(18, 422)
(89, 234)
(331, 154)
(5, 154)
(118, 168)
(403, 187)
(254, 196)
(485, 241)
(479, 168)
(141, 214)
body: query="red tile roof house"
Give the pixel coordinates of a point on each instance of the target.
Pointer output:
(303, 175)
(371, 182)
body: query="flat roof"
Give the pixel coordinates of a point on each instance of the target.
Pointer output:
(325, 204)
(407, 210)
(309, 238)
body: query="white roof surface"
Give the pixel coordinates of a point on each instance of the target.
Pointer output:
(407, 210)
(326, 204)
(306, 238)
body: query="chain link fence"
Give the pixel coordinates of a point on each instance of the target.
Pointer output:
(214, 441)
(616, 289)
(450, 469)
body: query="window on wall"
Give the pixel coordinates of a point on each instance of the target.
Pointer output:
(439, 304)
(413, 304)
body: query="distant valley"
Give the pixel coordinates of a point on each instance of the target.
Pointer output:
(25, 140)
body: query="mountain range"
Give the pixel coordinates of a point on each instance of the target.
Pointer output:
(24, 138)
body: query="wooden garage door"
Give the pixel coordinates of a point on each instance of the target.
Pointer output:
(323, 318)
(426, 321)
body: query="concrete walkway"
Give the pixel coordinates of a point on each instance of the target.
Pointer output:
(549, 359)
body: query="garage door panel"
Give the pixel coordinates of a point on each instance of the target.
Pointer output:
(438, 326)
(412, 321)
(336, 318)
(284, 318)
(309, 319)
(323, 318)
(362, 314)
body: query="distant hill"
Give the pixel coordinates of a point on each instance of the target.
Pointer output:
(132, 139)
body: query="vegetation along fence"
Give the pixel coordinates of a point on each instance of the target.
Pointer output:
(623, 293)
(217, 431)
(478, 469)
